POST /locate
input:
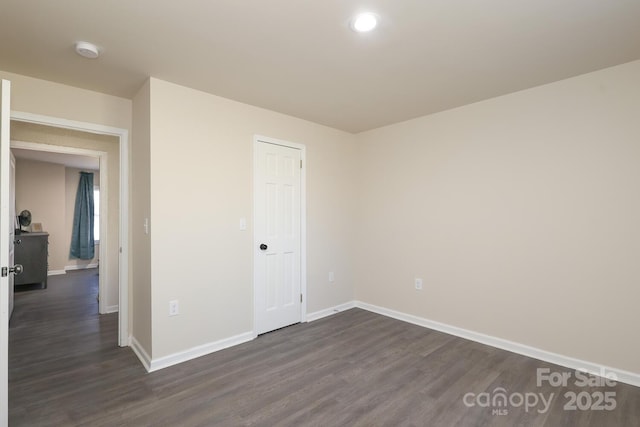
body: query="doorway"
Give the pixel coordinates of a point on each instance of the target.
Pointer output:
(279, 234)
(117, 245)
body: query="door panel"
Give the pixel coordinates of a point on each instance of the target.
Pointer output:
(277, 268)
(5, 243)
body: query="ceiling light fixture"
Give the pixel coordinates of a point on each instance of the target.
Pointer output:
(364, 22)
(87, 50)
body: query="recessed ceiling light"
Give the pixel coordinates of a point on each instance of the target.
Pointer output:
(364, 22)
(87, 50)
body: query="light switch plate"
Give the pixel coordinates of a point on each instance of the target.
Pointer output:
(174, 308)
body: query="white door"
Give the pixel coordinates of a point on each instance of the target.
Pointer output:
(5, 243)
(277, 222)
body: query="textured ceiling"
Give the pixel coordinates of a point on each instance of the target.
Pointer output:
(300, 57)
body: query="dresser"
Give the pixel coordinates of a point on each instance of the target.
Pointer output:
(31, 251)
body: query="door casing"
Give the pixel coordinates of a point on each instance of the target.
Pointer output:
(123, 138)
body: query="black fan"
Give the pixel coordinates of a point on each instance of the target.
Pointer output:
(24, 219)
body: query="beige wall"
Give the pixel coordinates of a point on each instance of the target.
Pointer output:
(520, 213)
(40, 188)
(72, 178)
(56, 136)
(30, 95)
(201, 170)
(141, 209)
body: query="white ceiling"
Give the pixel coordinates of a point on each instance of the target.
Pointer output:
(68, 160)
(300, 57)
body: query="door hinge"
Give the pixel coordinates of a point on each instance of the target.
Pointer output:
(5, 272)
(300, 163)
(300, 297)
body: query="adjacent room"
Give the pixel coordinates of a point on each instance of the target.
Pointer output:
(323, 213)
(46, 187)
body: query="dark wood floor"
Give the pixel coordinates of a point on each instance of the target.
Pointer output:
(352, 369)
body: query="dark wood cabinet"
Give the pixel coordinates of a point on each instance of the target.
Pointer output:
(31, 251)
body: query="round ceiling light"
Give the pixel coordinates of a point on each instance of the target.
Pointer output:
(364, 22)
(87, 50)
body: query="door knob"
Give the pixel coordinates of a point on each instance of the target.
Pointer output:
(263, 247)
(16, 269)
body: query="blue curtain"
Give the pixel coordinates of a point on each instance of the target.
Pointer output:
(82, 243)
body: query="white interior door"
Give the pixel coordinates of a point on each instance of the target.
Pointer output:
(5, 243)
(277, 222)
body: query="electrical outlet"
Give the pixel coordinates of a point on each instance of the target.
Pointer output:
(418, 283)
(332, 277)
(174, 308)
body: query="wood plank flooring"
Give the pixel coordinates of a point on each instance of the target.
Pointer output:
(352, 369)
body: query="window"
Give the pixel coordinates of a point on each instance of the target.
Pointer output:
(96, 214)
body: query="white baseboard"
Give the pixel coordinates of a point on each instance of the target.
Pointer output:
(316, 315)
(111, 309)
(201, 350)
(140, 352)
(163, 362)
(514, 347)
(81, 267)
(56, 272)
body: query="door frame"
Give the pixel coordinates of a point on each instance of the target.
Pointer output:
(259, 139)
(104, 215)
(123, 139)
